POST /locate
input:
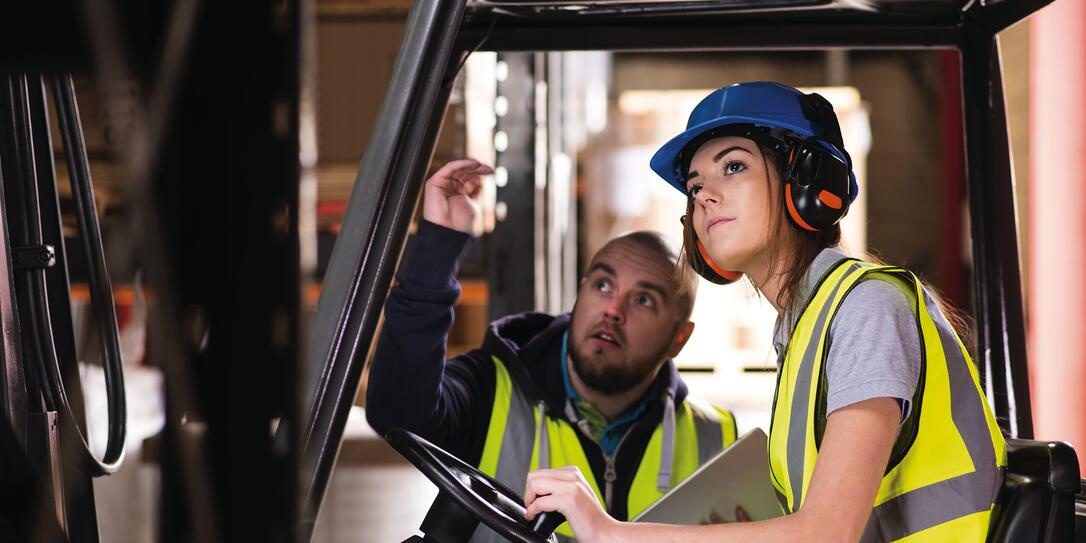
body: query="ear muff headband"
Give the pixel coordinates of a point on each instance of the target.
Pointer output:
(726, 275)
(704, 266)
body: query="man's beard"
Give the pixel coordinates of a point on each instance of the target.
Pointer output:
(612, 379)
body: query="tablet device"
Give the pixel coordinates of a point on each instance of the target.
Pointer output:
(736, 476)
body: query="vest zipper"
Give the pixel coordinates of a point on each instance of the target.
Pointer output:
(609, 474)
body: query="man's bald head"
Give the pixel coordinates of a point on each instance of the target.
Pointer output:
(659, 250)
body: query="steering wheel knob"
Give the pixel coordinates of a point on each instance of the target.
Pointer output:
(546, 523)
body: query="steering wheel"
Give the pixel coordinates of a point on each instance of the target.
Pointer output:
(467, 496)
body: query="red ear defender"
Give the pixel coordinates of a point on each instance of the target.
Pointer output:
(703, 264)
(793, 212)
(726, 275)
(816, 185)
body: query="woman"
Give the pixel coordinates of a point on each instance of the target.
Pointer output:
(880, 431)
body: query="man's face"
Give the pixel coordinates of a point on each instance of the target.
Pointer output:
(627, 319)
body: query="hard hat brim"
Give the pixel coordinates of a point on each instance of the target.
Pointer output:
(665, 162)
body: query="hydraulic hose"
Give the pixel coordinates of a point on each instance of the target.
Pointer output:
(101, 291)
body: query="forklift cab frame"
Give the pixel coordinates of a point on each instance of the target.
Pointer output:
(1042, 478)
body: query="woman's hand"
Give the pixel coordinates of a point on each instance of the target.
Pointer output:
(565, 490)
(716, 518)
(449, 197)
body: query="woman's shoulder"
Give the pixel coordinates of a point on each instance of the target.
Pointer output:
(875, 346)
(879, 292)
(874, 302)
(875, 315)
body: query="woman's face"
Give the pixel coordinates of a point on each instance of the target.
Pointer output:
(733, 211)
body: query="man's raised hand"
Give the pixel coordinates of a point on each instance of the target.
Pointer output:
(450, 197)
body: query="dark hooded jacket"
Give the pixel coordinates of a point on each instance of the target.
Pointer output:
(448, 402)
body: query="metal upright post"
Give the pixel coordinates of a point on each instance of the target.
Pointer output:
(1000, 323)
(373, 233)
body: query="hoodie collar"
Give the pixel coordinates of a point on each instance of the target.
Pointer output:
(530, 345)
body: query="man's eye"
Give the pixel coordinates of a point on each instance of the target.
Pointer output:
(646, 301)
(603, 286)
(694, 189)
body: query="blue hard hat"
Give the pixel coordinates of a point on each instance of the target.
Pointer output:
(762, 104)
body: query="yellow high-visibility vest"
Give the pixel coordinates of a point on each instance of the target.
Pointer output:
(948, 464)
(523, 437)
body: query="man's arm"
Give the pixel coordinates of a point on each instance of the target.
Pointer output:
(411, 385)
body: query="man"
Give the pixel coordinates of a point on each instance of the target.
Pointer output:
(612, 400)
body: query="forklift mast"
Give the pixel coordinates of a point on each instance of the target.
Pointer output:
(213, 151)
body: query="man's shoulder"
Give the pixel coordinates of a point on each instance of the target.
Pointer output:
(520, 331)
(706, 408)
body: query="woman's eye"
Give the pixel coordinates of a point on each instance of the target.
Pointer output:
(734, 167)
(694, 189)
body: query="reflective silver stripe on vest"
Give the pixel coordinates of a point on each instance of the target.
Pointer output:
(963, 495)
(797, 424)
(967, 407)
(516, 453)
(929, 506)
(708, 430)
(515, 456)
(544, 438)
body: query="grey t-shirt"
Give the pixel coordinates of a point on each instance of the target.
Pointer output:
(874, 347)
